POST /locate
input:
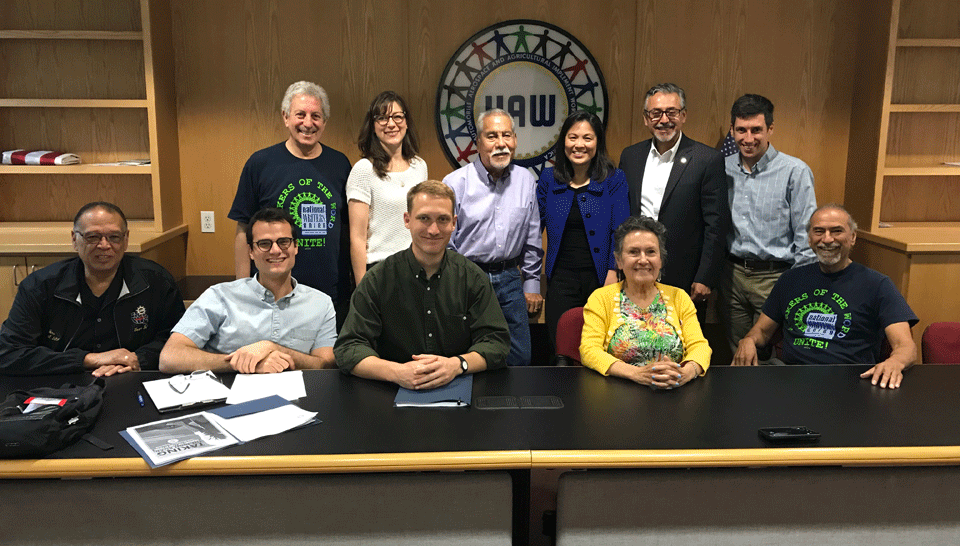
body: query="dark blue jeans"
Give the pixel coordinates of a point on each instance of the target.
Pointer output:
(509, 291)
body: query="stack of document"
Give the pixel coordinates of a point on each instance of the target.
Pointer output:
(171, 440)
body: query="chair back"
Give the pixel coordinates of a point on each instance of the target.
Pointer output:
(568, 334)
(940, 343)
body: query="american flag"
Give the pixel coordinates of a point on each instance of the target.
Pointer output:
(729, 146)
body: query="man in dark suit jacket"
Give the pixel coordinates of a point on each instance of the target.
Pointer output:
(681, 183)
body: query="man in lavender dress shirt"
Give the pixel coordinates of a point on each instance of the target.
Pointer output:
(498, 226)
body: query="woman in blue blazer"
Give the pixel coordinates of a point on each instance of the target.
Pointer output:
(582, 199)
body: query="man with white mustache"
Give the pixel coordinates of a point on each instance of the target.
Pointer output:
(771, 199)
(835, 311)
(308, 180)
(681, 183)
(498, 226)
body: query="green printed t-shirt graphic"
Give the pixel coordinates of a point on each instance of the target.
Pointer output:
(313, 191)
(835, 318)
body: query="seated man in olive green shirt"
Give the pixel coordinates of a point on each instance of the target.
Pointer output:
(426, 314)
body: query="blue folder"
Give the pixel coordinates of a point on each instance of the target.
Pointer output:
(457, 393)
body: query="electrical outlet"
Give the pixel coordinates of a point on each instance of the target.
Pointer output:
(206, 221)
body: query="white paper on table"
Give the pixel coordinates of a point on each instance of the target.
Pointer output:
(289, 385)
(265, 423)
(200, 389)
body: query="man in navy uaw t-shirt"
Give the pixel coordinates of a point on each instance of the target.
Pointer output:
(836, 311)
(307, 180)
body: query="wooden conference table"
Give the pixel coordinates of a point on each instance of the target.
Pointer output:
(699, 457)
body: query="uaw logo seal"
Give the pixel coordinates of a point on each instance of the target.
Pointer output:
(535, 71)
(139, 318)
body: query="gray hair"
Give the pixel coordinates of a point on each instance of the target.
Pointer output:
(835, 206)
(669, 89)
(641, 223)
(305, 88)
(493, 112)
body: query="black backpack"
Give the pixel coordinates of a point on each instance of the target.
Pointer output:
(63, 416)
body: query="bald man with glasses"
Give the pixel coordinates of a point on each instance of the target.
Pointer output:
(263, 324)
(102, 311)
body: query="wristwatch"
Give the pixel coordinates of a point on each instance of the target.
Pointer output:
(463, 363)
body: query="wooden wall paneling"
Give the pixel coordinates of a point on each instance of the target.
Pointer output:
(110, 15)
(97, 135)
(230, 76)
(47, 69)
(746, 47)
(704, 62)
(867, 113)
(13, 269)
(47, 198)
(926, 19)
(373, 55)
(920, 199)
(892, 263)
(932, 294)
(172, 254)
(228, 105)
(923, 139)
(927, 75)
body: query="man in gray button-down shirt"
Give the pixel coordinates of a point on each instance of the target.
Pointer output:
(265, 324)
(771, 198)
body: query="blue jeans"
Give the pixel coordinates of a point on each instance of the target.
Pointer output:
(509, 290)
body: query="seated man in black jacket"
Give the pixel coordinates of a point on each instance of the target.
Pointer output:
(101, 311)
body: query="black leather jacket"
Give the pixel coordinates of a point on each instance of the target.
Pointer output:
(36, 337)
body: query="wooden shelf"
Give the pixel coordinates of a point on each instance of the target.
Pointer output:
(928, 42)
(942, 170)
(925, 108)
(39, 238)
(917, 237)
(70, 35)
(73, 103)
(75, 169)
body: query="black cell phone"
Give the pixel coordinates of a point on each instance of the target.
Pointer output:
(789, 434)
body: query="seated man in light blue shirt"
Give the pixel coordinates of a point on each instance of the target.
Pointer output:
(263, 324)
(498, 226)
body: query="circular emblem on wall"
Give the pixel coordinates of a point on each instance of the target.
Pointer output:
(535, 71)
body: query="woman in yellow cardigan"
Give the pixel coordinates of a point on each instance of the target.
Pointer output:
(639, 329)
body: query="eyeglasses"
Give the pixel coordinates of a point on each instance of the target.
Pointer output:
(267, 244)
(180, 383)
(671, 113)
(397, 118)
(93, 239)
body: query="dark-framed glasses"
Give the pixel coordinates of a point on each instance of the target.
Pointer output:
(93, 239)
(397, 117)
(266, 244)
(671, 113)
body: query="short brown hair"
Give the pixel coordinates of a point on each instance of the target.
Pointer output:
(434, 188)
